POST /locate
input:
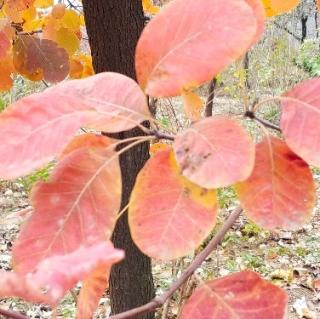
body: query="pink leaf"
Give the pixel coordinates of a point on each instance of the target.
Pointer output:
(38, 127)
(185, 44)
(56, 275)
(215, 152)
(300, 120)
(243, 295)
(280, 193)
(77, 206)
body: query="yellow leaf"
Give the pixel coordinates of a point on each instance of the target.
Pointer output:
(68, 40)
(81, 66)
(192, 105)
(149, 7)
(276, 7)
(71, 20)
(43, 3)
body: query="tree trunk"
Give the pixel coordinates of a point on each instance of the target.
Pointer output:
(114, 27)
(304, 21)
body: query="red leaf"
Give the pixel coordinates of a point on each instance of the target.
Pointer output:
(173, 53)
(300, 120)
(243, 295)
(37, 128)
(54, 276)
(78, 206)
(169, 216)
(39, 59)
(280, 193)
(215, 152)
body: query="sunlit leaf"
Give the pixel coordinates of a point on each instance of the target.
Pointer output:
(77, 206)
(108, 101)
(215, 152)
(173, 53)
(300, 120)
(168, 215)
(40, 58)
(243, 295)
(280, 193)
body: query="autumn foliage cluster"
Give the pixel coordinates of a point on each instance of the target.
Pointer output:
(173, 207)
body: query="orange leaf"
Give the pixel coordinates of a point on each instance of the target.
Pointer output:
(39, 59)
(243, 295)
(173, 53)
(192, 105)
(107, 101)
(168, 215)
(157, 147)
(300, 120)
(283, 6)
(58, 11)
(91, 292)
(88, 140)
(6, 69)
(318, 4)
(215, 152)
(54, 276)
(280, 193)
(5, 44)
(78, 206)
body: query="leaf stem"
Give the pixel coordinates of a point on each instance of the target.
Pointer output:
(251, 115)
(159, 301)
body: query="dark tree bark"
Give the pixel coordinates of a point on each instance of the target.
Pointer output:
(304, 20)
(114, 27)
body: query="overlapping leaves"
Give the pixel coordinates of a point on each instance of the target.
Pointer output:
(168, 215)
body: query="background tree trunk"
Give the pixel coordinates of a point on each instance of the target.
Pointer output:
(114, 27)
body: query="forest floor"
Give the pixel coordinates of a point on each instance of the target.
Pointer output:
(289, 259)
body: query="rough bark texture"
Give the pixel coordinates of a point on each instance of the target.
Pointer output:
(114, 27)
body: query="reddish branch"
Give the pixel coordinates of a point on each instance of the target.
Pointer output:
(159, 301)
(12, 314)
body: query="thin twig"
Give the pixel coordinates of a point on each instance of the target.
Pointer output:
(209, 104)
(12, 314)
(161, 136)
(159, 301)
